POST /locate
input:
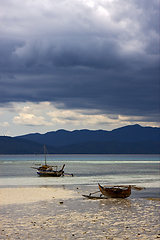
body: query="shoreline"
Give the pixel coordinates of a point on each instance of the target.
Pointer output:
(24, 195)
(59, 213)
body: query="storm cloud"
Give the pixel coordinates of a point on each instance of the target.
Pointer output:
(90, 55)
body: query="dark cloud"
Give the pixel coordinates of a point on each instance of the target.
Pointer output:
(101, 57)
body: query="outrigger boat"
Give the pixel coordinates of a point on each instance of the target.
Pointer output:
(111, 191)
(47, 170)
(115, 192)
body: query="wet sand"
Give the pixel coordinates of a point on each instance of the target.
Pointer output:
(57, 213)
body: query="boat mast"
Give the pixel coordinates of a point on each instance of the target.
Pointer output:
(45, 154)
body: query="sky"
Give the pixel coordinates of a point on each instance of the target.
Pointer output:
(78, 64)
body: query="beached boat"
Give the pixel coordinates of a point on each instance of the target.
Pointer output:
(115, 192)
(49, 171)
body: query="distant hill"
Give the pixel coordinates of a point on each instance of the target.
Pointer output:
(112, 147)
(132, 133)
(126, 140)
(10, 145)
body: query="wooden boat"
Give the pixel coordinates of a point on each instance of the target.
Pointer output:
(49, 171)
(115, 192)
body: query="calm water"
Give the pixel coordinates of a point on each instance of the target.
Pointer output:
(88, 170)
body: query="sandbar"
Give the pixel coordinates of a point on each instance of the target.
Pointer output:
(33, 194)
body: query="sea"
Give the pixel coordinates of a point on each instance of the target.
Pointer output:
(88, 171)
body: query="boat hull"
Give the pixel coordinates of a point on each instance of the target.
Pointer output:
(49, 174)
(115, 192)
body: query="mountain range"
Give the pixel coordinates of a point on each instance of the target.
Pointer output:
(132, 139)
